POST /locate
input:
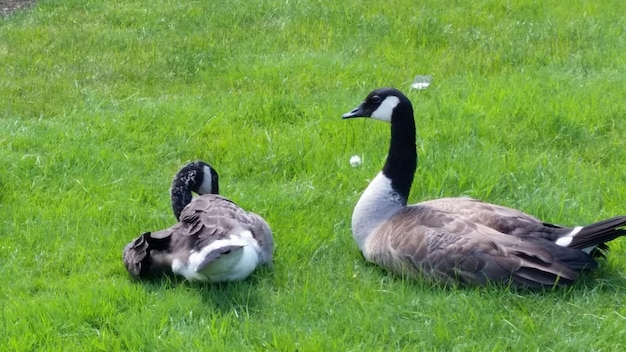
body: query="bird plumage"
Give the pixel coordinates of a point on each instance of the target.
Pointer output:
(214, 239)
(460, 240)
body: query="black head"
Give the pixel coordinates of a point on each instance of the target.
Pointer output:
(198, 177)
(390, 105)
(381, 104)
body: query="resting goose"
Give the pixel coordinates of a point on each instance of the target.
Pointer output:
(460, 240)
(214, 240)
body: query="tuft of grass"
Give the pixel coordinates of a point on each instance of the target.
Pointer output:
(102, 102)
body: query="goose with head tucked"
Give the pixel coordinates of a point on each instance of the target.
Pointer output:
(214, 240)
(461, 240)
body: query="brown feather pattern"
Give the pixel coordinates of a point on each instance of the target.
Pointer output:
(460, 239)
(424, 241)
(204, 220)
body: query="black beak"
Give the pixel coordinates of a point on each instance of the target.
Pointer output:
(356, 112)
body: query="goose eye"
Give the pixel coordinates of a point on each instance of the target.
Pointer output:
(375, 99)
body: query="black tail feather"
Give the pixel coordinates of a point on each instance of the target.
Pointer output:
(599, 233)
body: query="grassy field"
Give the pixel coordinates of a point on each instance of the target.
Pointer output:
(102, 101)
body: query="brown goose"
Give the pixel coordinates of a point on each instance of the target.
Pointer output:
(214, 240)
(460, 239)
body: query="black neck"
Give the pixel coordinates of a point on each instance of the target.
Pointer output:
(180, 196)
(402, 158)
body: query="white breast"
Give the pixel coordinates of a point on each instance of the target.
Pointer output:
(377, 204)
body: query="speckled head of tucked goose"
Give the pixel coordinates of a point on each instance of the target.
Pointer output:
(461, 240)
(214, 240)
(197, 177)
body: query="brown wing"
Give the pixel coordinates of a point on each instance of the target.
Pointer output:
(502, 219)
(424, 241)
(212, 217)
(205, 219)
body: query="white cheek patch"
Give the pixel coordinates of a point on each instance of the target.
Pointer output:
(385, 110)
(206, 186)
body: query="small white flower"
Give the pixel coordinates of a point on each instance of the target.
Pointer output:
(421, 82)
(355, 161)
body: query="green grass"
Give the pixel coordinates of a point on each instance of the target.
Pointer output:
(102, 102)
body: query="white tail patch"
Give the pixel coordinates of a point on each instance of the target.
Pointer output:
(567, 239)
(236, 265)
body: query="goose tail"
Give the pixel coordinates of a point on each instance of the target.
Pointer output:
(593, 238)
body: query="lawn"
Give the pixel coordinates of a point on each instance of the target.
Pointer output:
(102, 101)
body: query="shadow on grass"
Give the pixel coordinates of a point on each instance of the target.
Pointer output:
(240, 297)
(601, 280)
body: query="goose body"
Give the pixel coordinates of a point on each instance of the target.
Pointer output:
(460, 240)
(214, 239)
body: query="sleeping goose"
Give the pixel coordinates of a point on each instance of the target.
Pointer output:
(460, 240)
(214, 240)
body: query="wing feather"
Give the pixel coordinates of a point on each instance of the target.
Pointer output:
(421, 240)
(502, 219)
(211, 217)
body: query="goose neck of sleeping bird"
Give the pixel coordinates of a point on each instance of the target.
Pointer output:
(389, 190)
(180, 194)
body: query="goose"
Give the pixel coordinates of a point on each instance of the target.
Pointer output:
(214, 240)
(460, 240)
